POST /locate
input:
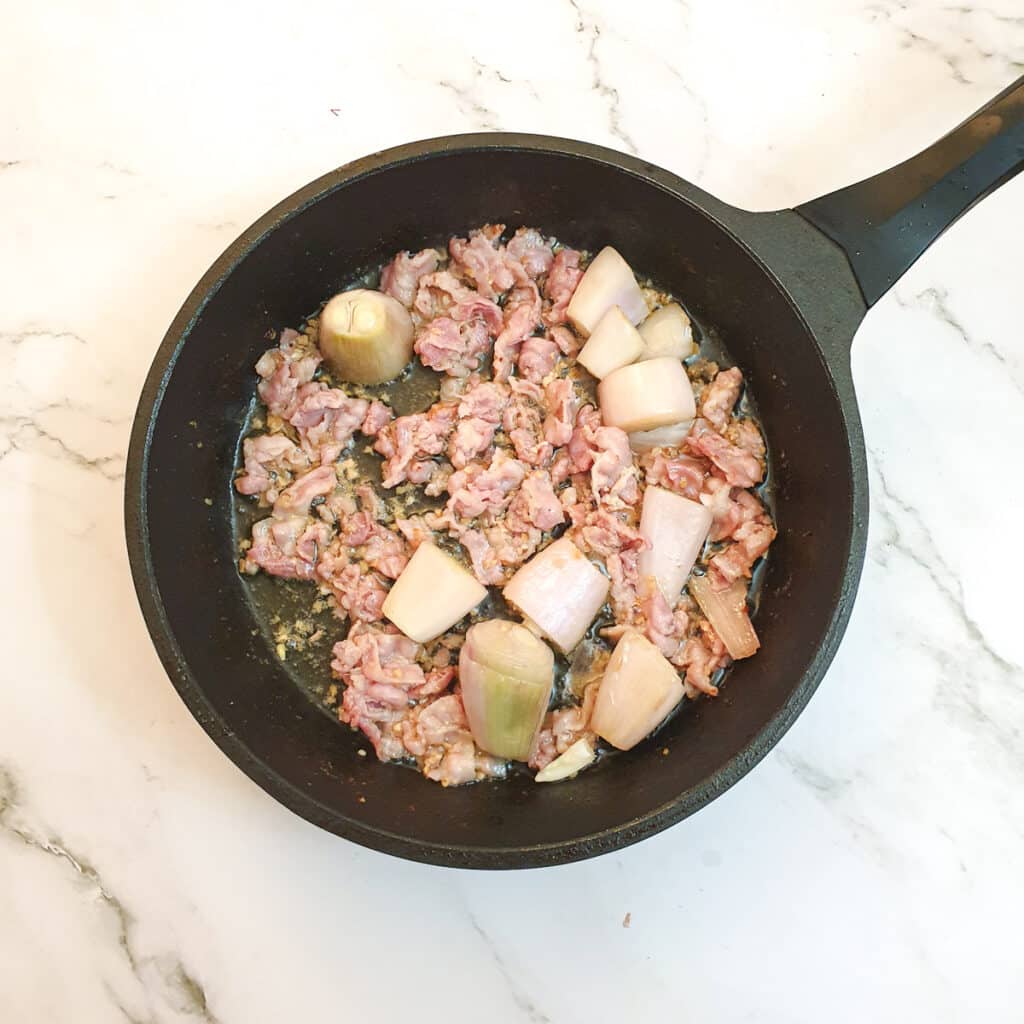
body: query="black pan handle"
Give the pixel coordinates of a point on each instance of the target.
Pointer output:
(884, 223)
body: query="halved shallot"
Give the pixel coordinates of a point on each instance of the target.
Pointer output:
(675, 529)
(640, 687)
(614, 342)
(560, 591)
(506, 674)
(608, 282)
(667, 332)
(432, 594)
(644, 396)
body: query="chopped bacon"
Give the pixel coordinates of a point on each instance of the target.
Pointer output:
(284, 370)
(622, 571)
(439, 734)
(479, 415)
(739, 467)
(562, 728)
(452, 348)
(563, 277)
(750, 541)
(271, 462)
(720, 396)
(679, 473)
(701, 656)
(560, 397)
(523, 424)
(488, 266)
(378, 416)
(663, 627)
(745, 435)
(401, 277)
(326, 418)
(287, 547)
(603, 532)
(295, 499)
(535, 505)
(438, 291)
(530, 249)
(487, 566)
(410, 439)
(567, 342)
(414, 530)
(359, 594)
(378, 668)
(605, 452)
(483, 488)
(480, 313)
(537, 358)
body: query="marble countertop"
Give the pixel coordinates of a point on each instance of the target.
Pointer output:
(868, 869)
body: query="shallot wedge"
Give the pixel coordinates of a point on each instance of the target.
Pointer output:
(560, 591)
(608, 282)
(675, 529)
(568, 764)
(640, 687)
(432, 594)
(506, 674)
(726, 610)
(647, 395)
(667, 332)
(614, 342)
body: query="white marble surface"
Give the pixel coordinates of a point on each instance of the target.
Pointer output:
(868, 870)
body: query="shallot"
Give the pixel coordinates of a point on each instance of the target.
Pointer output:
(646, 395)
(675, 529)
(727, 612)
(560, 591)
(573, 760)
(506, 674)
(640, 687)
(366, 336)
(667, 332)
(608, 282)
(432, 594)
(614, 342)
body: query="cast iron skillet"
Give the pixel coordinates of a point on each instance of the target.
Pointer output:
(785, 291)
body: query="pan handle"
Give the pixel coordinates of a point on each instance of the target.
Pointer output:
(884, 223)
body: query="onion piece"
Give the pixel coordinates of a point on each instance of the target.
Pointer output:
(432, 594)
(668, 332)
(366, 336)
(506, 675)
(640, 687)
(661, 437)
(614, 342)
(607, 282)
(727, 612)
(573, 760)
(560, 591)
(646, 395)
(675, 529)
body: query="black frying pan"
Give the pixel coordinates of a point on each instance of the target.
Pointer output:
(784, 291)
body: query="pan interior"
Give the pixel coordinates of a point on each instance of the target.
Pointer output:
(230, 673)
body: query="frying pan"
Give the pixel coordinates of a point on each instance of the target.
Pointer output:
(784, 292)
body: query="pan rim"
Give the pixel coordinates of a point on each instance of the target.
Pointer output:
(173, 657)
